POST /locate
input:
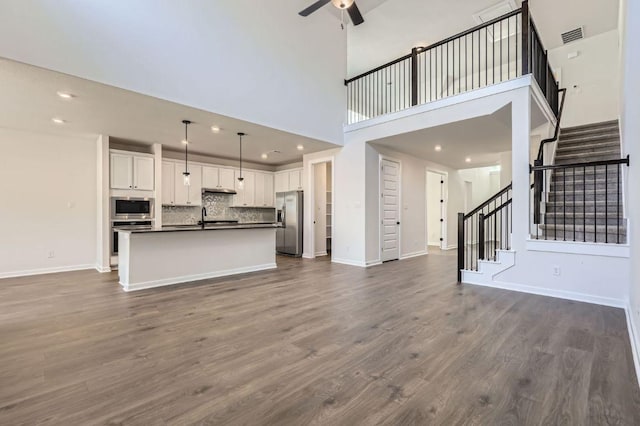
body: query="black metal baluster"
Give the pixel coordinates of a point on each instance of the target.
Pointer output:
(500, 50)
(606, 205)
(446, 77)
(486, 56)
(595, 205)
(509, 48)
(574, 203)
(466, 59)
(584, 204)
(493, 53)
(618, 218)
(564, 205)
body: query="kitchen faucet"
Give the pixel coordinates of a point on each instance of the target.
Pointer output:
(204, 213)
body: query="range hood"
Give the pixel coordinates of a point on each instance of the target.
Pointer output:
(219, 191)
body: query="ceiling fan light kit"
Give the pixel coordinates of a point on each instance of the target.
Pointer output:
(349, 5)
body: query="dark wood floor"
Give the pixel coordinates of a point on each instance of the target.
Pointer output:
(309, 343)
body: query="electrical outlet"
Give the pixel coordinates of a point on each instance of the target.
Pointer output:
(556, 270)
(52, 254)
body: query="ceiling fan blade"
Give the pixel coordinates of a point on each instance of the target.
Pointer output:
(355, 15)
(317, 5)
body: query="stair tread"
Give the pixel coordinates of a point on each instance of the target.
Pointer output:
(591, 125)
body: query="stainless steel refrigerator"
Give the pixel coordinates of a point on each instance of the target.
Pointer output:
(289, 215)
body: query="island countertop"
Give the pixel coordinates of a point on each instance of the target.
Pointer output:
(180, 228)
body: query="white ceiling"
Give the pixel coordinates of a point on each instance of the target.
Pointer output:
(393, 27)
(481, 139)
(28, 101)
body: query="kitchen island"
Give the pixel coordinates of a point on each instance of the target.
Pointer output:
(178, 254)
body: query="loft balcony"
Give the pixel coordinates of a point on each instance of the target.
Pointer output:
(499, 50)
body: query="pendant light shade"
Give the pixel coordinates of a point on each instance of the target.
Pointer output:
(186, 176)
(240, 178)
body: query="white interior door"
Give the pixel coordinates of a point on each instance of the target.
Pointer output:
(390, 199)
(320, 209)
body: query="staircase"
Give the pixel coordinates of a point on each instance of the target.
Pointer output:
(584, 202)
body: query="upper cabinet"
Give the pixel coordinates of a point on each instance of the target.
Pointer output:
(264, 190)
(132, 171)
(174, 191)
(246, 192)
(217, 177)
(288, 180)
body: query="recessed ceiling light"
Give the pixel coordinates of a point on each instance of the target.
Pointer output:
(66, 95)
(264, 156)
(215, 129)
(438, 148)
(58, 120)
(185, 142)
(468, 159)
(300, 147)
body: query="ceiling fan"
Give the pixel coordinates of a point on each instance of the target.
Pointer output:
(348, 5)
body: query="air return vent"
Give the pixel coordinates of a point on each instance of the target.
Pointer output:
(572, 35)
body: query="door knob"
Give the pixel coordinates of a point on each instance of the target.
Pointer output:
(397, 223)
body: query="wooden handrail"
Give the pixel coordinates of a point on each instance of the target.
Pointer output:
(490, 200)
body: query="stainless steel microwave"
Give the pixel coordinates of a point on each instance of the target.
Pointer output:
(128, 208)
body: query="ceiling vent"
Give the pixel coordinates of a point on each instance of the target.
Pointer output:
(573, 35)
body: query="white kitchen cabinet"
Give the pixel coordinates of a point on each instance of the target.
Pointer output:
(226, 178)
(121, 171)
(264, 190)
(288, 180)
(210, 177)
(245, 194)
(259, 189)
(269, 195)
(282, 181)
(131, 171)
(217, 177)
(295, 180)
(143, 173)
(187, 195)
(168, 183)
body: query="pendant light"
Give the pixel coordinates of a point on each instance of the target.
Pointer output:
(186, 175)
(240, 178)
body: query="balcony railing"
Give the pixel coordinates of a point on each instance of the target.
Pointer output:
(502, 49)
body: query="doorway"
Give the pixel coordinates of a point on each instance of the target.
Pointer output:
(436, 209)
(390, 176)
(322, 205)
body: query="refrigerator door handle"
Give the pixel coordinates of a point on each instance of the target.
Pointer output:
(284, 215)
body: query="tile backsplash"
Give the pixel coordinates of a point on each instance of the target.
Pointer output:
(218, 207)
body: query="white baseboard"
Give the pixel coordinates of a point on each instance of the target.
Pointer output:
(321, 253)
(42, 271)
(559, 294)
(414, 254)
(307, 256)
(350, 262)
(103, 269)
(196, 277)
(453, 247)
(634, 339)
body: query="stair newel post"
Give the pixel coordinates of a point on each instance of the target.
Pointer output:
(414, 76)
(481, 236)
(461, 240)
(537, 191)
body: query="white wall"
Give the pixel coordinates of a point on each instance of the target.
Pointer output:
(480, 177)
(253, 60)
(596, 72)
(630, 128)
(48, 192)
(434, 208)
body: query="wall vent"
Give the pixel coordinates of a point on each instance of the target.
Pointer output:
(573, 35)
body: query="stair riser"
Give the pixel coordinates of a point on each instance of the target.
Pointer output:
(578, 196)
(580, 187)
(612, 209)
(580, 138)
(593, 131)
(590, 237)
(563, 160)
(591, 149)
(569, 220)
(592, 126)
